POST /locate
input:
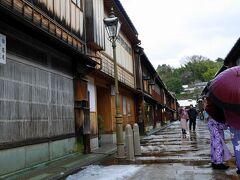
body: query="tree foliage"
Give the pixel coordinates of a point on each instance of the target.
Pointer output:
(195, 68)
(174, 85)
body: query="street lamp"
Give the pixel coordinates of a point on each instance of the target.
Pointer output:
(112, 26)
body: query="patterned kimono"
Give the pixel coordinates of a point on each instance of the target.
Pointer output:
(233, 119)
(219, 150)
(183, 121)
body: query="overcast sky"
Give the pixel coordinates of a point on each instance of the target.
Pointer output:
(173, 29)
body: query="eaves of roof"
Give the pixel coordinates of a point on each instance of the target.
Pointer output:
(127, 26)
(233, 54)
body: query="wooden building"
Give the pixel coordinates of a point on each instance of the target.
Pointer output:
(233, 57)
(45, 54)
(155, 104)
(101, 82)
(57, 84)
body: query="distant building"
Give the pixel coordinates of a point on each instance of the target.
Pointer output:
(193, 87)
(187, 102)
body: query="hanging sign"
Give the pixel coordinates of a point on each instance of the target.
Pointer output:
(2, 49)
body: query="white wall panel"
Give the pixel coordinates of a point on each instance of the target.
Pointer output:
(92, 95)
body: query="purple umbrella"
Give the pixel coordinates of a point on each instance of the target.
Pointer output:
(224, 90)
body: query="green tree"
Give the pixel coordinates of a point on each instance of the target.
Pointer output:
(170, 77)
(211, 71)
(197, 65)
(174, 84)
(165, 71)
(220, 60)
(195, 68)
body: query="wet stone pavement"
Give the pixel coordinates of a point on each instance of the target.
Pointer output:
(169, 155)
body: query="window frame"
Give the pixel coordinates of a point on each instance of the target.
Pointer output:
(78, 3)
(124, 105)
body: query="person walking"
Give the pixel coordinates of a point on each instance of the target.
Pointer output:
(205, 115)
(219, 150)
(224, 91)
(192, 114)
(183, 120)
(216, 126)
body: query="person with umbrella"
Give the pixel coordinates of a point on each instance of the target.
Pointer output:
(216, 126)
(224, 91)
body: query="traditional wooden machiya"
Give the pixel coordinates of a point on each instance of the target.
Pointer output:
(57, 89)
(40, 102)
(156, 105)
(102, 89)
(62, 19)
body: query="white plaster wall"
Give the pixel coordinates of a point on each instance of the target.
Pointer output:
(92, 94)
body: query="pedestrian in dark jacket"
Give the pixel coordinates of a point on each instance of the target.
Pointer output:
(192, 114)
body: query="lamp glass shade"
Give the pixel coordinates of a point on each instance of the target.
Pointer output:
(112, 25)
(118, 28)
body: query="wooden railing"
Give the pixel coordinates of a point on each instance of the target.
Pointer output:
(123, 76)
(157, 97)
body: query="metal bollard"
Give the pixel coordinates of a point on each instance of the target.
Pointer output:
(136, 138)
(129, 142)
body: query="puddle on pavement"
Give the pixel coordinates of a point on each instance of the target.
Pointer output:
(153, 160)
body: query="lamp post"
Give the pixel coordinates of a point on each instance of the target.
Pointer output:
(112, 26)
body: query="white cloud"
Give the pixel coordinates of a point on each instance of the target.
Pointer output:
(170, 30)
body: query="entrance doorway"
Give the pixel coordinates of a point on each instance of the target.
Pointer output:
(103, 113)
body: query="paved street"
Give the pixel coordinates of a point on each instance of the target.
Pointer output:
(167, 155)
(170, 156)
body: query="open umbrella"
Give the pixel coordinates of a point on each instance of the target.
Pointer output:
(224, 89)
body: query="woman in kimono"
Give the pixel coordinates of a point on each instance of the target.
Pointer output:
(216, 126)
(183, 120)
(232, 119)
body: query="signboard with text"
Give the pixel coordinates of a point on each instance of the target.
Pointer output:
(2, 49)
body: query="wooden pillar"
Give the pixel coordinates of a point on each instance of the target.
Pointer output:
(155, 115)
(140, 113)
(161, 115)
(82, 113)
